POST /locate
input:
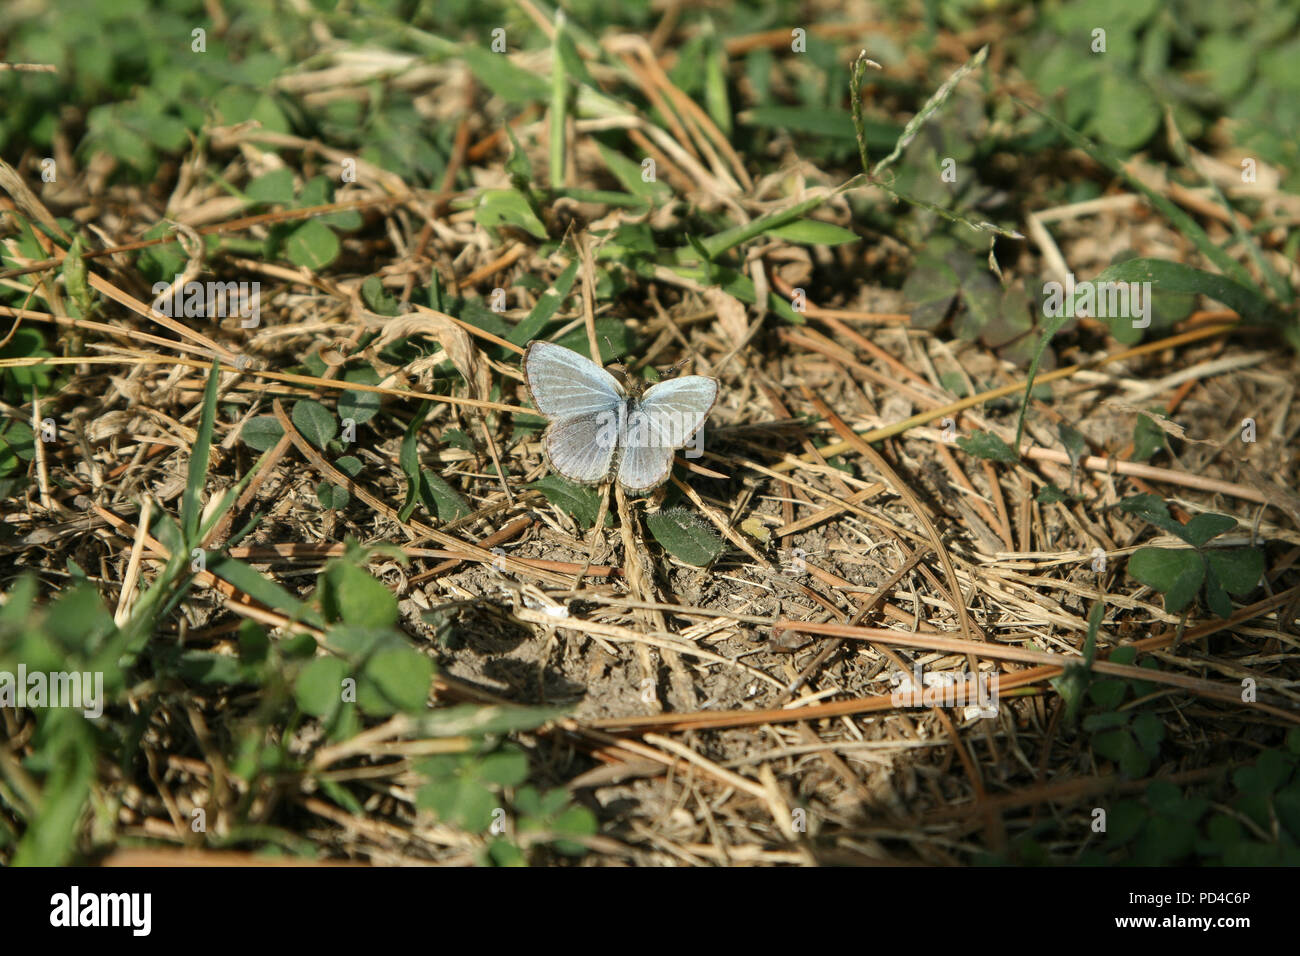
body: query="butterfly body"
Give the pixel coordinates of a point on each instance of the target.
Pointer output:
(600, 429)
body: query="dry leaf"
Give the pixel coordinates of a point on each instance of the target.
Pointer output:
(455, 341)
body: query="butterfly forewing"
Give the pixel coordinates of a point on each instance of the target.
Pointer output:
(678, 407)
(566, 385)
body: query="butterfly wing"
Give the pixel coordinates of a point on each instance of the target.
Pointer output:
(582, 449)
(586, 406)
(564, 384)
(667, 416)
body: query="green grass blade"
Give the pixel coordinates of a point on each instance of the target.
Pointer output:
(559, 96)
(192, 500)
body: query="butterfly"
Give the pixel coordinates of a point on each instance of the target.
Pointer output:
(599, 430)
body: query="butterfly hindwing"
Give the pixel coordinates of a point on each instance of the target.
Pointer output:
(642, 467)
(582, 449)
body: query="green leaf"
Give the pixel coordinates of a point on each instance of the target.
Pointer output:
(1125, 654)
(441, 498)
(1144, 687)
(1107, 720)
(685, 536)
(1127, 114)
(1108, 694)
(298, 647)
(78, 620)
(20, 439)
(1113, 744)
(1148, 438)
(1177, 574)
(74, 276)
(316, 422)
(408, 458)
(1050, 326)
(1125, 822)
(331, 496)
(1049, 494)
(507, 767)
(577, 501)
(341, 795)
(1152, 509)
(378, 299)
(577, 821)
(1149, 731)
(312, 245)
(929, 291)
(504, 853)
(512, 83)
(1075, 678)
(1238, 569)
(402, 675)
(1287, 806)
(51, 838)
(1164, 841)
(611, 339)
(711, 247)
(211, 669)
(1176, 277)
(191, 502)
(1076, 446)
(559, 104)
(254, 644)
(273, 187)
(517, 165)
(508, 207)
(983, 444)
(359, 406)
(1203, 527)
(354, 597)
(261, 433)
(459, 801)
(812, 232)
(319, 687)
(824, 124)
(337, 496)
(355, 643)
(628, 173)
